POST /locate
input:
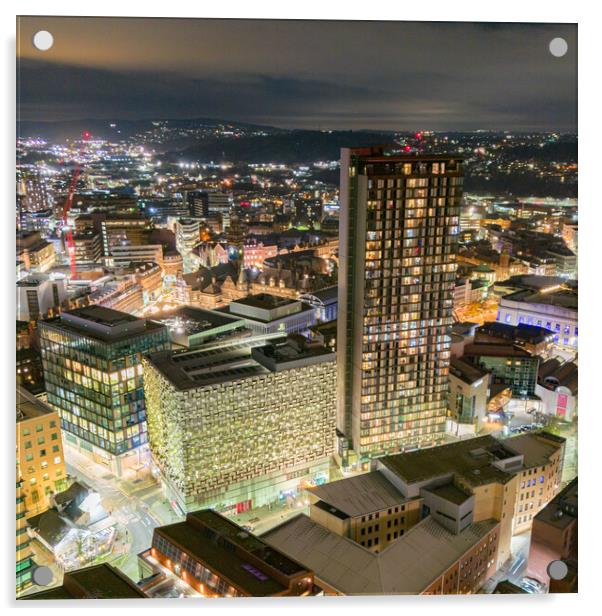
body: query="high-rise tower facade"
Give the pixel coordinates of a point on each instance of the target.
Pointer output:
(397, 262)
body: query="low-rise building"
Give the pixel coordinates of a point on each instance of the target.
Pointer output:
(39, 296)
(325, 302)
(468, 392)
(497, 478)
(37, 253)
(268, 314)
(217, 558)
(428, 559)
(539, 477)
(88, 250)
(566, 261)
(256, 252)
(192, 327)
(570, 236)
(149, 276)
(124, 254)
(553, 307)
(557, 387)
(554, 534)
(509, 364)
(40, 456)
(367, 508)
(97, 582)
(534, 339)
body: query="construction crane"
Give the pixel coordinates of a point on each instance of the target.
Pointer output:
(69, 243)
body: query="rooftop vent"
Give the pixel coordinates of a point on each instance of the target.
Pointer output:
(478, 453)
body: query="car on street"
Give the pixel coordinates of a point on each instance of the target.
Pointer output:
(532, 585)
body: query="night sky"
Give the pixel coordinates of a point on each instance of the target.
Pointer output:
(301, 74)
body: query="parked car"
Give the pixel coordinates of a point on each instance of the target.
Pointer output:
(531, 585)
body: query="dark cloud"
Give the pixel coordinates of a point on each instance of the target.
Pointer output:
(385, 75)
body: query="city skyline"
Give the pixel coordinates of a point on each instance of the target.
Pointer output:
(263, 361)
(302, 74)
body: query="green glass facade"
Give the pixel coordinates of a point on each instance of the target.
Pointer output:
(520, 374)
(24, 561)
(97, 385)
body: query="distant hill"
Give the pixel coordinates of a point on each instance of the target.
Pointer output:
(125, 129)
(565, 150)
(296, 146)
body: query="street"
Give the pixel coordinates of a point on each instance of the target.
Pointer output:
(137, 507)
(515, 567)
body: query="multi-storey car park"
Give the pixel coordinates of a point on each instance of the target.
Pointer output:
(236, 425)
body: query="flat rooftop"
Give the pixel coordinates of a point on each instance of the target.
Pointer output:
(492, 349)
(562, 298)
(471, 459)
(222, 544)
(379, 153)
(293, 352)
(467, 372)
(233, 361)
(265, 308)
(360, 495)
(562, 510)
(103, 316)
(531, 281)
(451, 493)
(266, 301)
(536, 448)
(191, 320)
(30, 407)
(409, 565)
(204, 367)
(103, 324)
(326, 296)
(521, 332)
(96, 582)
(33, 280)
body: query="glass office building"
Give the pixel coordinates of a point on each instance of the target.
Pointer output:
(93, 372)
(397, 262)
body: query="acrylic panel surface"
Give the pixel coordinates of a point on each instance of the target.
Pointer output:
(296, 308)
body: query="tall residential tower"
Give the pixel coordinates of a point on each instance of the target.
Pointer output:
(397, 263)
